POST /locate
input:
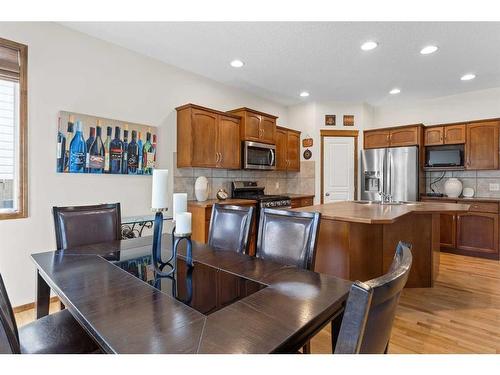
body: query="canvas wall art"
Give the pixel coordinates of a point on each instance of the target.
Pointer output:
(90, 144)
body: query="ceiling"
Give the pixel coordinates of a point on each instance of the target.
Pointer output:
(284, 58)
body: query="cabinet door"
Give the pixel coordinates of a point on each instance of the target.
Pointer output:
(448, 230)
(478, 232)
(203, 133)
(454, 134)
(293, 151)
(404, 136)
(433, 136)
(281, 153)
(376, 139)
(251, 127)
(267, 129)
(482, 145)
(228, 139)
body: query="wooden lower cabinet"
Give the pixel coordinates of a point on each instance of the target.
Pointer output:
(448, 230)
(477, 232)
(298, 202)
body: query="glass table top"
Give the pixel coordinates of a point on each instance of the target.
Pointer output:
(204, 288)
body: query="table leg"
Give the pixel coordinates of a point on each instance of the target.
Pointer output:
(42, 296)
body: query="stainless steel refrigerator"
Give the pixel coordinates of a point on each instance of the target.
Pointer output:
(391, 171)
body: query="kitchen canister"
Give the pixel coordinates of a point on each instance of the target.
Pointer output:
(453, 187)
(201, 189)
(468, 192)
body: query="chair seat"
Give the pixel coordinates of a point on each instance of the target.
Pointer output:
(57, 333)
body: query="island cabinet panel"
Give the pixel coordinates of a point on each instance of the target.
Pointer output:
(448, 237)
(287, 150)
(256, 126)
(481, 148)
(454, 134)
(478, 232)
(207, 138)
(433, 136)
(376, 138)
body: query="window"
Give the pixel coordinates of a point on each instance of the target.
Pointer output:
(13, 130)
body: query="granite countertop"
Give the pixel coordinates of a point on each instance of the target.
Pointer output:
(354, 212)
(464, 199)
(211, 202)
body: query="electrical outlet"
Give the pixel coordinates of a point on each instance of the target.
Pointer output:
(277, 185)
(494, 187)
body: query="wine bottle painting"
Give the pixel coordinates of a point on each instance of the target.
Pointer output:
(89, 144)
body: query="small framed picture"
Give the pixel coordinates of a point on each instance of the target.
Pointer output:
(348, 120)
(330, 120)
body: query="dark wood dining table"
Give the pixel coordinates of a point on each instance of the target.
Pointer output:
(277, 308)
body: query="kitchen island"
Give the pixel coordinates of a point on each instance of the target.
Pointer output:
(357, 240)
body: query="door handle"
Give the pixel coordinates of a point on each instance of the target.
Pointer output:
(327, 194)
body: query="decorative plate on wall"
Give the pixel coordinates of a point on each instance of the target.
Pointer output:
(307, 154)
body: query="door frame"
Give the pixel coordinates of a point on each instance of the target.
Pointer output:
(339, 133)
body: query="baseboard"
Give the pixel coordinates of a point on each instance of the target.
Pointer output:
(31, 305)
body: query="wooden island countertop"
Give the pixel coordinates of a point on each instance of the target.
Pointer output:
(357, 241)
(369, 213)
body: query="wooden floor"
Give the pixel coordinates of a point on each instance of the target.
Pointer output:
(461, 314)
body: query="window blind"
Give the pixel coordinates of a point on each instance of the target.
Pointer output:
(7, 128)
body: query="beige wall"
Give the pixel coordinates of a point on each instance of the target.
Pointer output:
(74, 72)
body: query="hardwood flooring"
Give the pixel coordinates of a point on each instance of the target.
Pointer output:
(461, 314)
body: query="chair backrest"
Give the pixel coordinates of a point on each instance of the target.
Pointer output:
(85, 225)
(371, 307)
(288, 237)
(230, 227)
(9, 337)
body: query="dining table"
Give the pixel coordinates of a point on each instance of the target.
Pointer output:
(225, 302)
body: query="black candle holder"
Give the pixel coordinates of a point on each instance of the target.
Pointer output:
(177, 238)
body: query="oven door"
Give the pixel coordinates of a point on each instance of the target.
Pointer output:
(259, 156)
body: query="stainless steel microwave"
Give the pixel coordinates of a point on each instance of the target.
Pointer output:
(259, 156)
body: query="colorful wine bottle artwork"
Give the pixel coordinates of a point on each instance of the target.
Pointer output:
(97, 145)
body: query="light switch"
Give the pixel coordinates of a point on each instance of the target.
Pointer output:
(494, 187)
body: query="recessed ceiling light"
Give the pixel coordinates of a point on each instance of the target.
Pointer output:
(304, 94)
(468, 77)
(369, 45)
(237, 63)
(427, 50)
(394, 91)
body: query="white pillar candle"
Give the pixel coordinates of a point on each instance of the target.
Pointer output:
(159, 196)
(183, 223)
(179, 204)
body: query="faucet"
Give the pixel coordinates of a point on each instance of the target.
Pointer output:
(386, 198)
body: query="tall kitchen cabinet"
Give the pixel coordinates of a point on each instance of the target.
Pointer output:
(481, 146)
(287, 149)
(207, 138)
(256, 126)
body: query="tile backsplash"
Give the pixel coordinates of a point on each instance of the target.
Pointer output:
(276, 182)
(478, 180)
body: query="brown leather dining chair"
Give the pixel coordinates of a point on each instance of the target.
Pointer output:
(58, 333)
(230, 227)
(371, 307)
(86, 225)
(288, 237)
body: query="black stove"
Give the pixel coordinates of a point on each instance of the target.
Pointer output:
(252, 190)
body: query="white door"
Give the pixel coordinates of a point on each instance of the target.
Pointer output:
(338, 169)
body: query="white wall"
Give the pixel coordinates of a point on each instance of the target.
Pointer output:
(74, 72)
(309, 118)
(473, 105)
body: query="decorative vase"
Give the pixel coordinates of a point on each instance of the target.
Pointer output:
(201, 189)
(453, 187)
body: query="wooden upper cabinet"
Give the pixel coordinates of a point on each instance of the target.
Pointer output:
(376, 138)
(207, 138)
(407, 136)
(281, 149)
(256, 126)
(293, 151)
(433, 136)
(454, 134)
(481, 148)
(229, 143)
(287, 149)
